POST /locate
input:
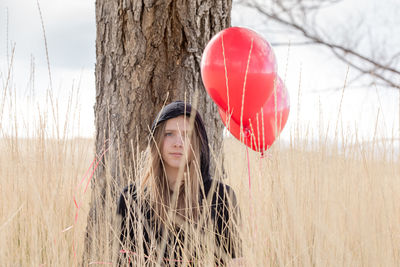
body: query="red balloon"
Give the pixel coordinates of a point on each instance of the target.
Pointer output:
(265, 126)
(227, 58)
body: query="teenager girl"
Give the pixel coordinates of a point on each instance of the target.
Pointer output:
(174, 207)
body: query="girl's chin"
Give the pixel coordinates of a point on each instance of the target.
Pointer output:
(175, 164)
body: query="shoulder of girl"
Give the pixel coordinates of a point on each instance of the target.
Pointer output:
(128, 192)
(130, 189)
(220, 189)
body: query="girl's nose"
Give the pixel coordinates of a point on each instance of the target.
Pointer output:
(179, 140)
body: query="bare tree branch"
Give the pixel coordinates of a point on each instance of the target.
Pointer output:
(291, 43)
(300, 16)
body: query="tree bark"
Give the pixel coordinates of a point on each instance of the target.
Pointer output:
(147, 53)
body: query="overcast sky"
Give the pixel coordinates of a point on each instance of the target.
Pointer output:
(69, 25)
(70, 31)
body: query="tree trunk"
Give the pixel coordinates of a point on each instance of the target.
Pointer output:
(147, 53)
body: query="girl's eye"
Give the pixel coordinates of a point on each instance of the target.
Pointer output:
(168, 134)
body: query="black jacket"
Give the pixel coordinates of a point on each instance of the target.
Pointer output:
(224, 218)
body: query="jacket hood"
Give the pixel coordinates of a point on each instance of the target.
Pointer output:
(179, 108)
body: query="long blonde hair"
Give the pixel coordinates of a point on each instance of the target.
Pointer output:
(154, 187)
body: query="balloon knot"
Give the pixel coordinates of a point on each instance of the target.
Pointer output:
(265, 154)
(247, 133)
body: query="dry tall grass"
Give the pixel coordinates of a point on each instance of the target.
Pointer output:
(319, 208)
(312, 207)
(37, 185)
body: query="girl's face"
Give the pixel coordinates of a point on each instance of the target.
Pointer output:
(176, 143)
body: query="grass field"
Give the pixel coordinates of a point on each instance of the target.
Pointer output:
(307, 205)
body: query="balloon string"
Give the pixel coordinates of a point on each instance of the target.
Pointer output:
(252, 217)
(248, 169)
(88, 175)
(92, 166)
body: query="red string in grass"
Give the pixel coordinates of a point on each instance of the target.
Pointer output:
(251, 208)
(88, 175)
(96, 161)
(248, 169)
